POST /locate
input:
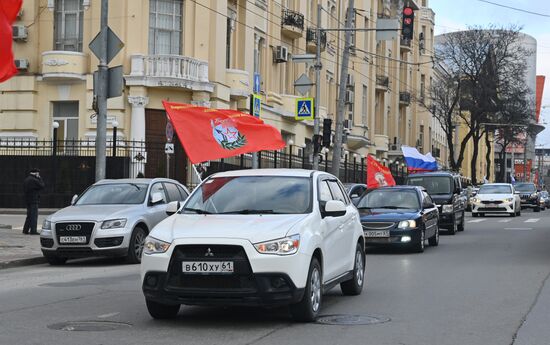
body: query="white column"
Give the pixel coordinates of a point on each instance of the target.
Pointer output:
(137, 134)
(137, 124)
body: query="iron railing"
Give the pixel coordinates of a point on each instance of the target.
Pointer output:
(292, 18)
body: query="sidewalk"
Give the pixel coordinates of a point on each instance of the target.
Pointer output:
(17, 249)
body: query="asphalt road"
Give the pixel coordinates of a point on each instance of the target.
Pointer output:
(477, 287)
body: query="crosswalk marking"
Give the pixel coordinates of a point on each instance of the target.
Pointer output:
(504, 220)
(477, 220)
(532, 220)
(518, 228)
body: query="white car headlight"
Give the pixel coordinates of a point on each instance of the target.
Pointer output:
(46, 225)
(476, 200)
(447, 208)
(407, 224)
(509, 199)
(113, 223)
(284, 246)
(154, 246)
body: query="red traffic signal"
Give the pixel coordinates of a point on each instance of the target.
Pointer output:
(408, 23)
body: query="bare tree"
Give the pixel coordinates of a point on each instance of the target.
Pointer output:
(489, 65)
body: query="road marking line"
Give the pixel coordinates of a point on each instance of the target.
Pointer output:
(104, 316)
(504, 220)
(518, 228)
(476, 220)
(532, 220)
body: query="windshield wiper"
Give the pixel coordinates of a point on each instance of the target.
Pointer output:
(393, 207)
(250, 211)
(441, 193)
(196, 210)
(364, 208)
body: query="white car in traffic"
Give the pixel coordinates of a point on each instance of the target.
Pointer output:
(256, 237)
(496, 198)
(110, 218)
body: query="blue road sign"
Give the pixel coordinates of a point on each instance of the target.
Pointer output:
(256, 88)
(256, 105)
(304, 109)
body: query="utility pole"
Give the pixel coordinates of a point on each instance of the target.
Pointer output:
(337, 152)
(103, 75)
(318, 67)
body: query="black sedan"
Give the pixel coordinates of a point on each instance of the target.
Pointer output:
(402, 216)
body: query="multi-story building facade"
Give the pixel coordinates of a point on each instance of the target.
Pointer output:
(206, 52)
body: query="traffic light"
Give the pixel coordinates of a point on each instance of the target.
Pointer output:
(408, 23)
(327, 132)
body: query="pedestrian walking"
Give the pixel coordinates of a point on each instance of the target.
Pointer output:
(32, 186)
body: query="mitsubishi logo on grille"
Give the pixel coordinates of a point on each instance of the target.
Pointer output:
(73, 227)
(209, 252)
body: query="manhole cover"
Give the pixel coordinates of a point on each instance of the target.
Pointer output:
(89, 326)
(350, 320)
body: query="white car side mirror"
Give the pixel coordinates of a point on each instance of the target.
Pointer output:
(334, 208)
(73, 200)
(156, 198)
(172, 207)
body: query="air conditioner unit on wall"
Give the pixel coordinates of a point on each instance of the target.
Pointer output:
(280, 54)
(394, 147)
(350, 81)
(22, 64)
(19, 33)
(350, 96)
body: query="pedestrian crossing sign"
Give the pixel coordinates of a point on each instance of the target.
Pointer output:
(304, 109)
(256, 105)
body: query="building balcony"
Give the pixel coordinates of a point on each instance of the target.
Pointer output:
(173, 71)
(65, 66)
(382, 82)
(238, 83)
(292, 23)
(405, 45)
(427, 14)
(311, 40)
(381, 142)
(404, 98)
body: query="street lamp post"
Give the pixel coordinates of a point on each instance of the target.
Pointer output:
(290, 142)
(115, 127)
(55, 126)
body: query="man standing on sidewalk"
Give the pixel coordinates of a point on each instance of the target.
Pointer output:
(32, 186)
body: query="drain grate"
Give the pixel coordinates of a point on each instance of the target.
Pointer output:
(89, 326)
(351, 320)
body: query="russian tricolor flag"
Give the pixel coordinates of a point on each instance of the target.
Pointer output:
(417, 162)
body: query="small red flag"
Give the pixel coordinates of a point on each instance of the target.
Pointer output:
(8, 13)
(208, 134)
(377, 174)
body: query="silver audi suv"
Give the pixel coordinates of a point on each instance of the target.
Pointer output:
(111, 218)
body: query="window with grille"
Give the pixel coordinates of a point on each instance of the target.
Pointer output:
(68, 25)
(165, 27)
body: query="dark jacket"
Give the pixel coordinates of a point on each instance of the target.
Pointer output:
(32, 187)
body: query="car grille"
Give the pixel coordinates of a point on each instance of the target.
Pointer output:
(490, 209)
(46, 242)
(241, 280)
(108, 241)
(377, 225)
(74, 229)
(496, 202)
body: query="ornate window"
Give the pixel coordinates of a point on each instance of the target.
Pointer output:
(68, 25)
(165, 27)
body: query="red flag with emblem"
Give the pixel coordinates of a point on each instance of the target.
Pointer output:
(208, 134)
(8, 13)
(377, 174)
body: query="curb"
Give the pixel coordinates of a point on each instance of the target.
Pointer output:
(36, 260)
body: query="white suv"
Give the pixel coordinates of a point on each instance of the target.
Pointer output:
(256, 237)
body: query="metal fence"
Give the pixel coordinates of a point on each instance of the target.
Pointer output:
(68, 166)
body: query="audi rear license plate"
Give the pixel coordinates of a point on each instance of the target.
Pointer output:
(72, 239)
(377, 233)
(207, 266)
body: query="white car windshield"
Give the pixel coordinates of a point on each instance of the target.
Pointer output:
(495, 189)
(114, 194)
(252, 195)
